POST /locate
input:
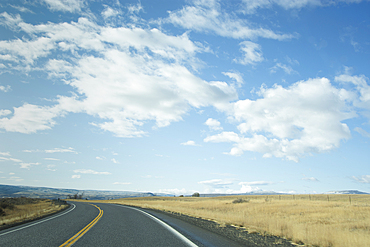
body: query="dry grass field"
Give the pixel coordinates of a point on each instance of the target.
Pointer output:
(14, 210)
(312, 220)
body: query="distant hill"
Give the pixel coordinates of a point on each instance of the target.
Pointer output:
(348, 192)
(244, 194)
(53, 193)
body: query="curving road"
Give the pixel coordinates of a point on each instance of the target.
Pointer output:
(110, 225)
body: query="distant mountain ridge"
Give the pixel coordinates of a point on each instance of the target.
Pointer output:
(53, 193)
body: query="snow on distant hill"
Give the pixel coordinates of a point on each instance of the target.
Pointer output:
(347, 192)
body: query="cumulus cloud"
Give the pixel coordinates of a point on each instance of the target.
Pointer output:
(289, 122)
(156, 85)
(189, 143)
(76, 176)
(213, 124)
(30, 118)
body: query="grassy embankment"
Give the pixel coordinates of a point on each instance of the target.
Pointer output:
(313, 220)
(14, 210)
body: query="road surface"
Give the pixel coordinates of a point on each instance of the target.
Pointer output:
(99, 224)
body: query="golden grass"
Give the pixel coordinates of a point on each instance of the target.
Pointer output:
(29, 211)
(315, 220)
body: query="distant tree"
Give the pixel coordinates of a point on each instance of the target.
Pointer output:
(181, 196)
(196, 194)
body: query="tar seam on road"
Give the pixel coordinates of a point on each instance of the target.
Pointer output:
(179, 235)
(78, 235)
(2, 234)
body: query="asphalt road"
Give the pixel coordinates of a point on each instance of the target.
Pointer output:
(115, 225)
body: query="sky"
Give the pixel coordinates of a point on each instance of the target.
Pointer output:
(185, 96)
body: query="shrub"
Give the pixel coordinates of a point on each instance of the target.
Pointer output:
(240, 200)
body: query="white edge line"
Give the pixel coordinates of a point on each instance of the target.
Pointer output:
(38, 222)
(179, 235)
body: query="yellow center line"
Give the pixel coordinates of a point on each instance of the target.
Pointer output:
(78, 235)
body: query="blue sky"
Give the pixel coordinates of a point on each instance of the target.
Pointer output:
(185, 96)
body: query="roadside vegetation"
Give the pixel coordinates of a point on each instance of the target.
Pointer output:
(15, 210)
(312, 220)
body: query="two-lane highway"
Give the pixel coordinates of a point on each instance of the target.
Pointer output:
(100, 224)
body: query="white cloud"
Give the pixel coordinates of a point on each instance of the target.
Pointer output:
(136, 8)
(290, 122)
(122, 183)
(114, 161)
(64, 5)
(4, 112)
(251, 53)
(207, 16)
(286, 68)
(156, 84)
(217, 183)
(175, 191)
(51, 168)
(28, 165)
(213, 124)
(5, 89)
(16, 179)
(52, 159)
(250, 6)
(362, 179)
(30, 118)
(362, 132)
(100, 158)
(311, 179)
(238, 77)
(109, 12)
(21, 8)
(362, 87)
(189, 143)
(76, 176)
(5, 153)
(89, 171)
(10, 159)
(61, 150)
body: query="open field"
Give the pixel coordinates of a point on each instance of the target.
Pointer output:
(15, 210)
(312, 220)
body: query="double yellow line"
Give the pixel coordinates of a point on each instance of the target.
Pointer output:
(78, 235)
